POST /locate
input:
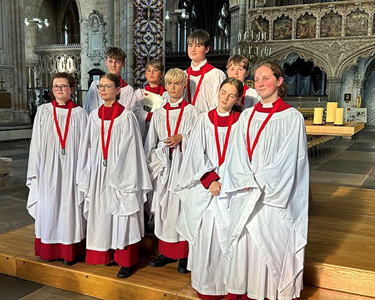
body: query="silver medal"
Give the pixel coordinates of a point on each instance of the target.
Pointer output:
(63, 151)
(105, 162)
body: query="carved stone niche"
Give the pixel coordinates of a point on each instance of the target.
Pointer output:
(96, 40)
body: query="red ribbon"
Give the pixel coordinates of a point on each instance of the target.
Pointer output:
(199, 84)
(245, 88)
(183, 104)
(62, 141)
(219, 154)
(105, 146)
(250, 149)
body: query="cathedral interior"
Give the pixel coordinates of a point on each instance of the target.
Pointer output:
(326, 49)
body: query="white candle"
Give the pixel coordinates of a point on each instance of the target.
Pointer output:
(252, 34)
(339, 116)
(239, 36)
(331, 110)
(318, 115)
(245, 35)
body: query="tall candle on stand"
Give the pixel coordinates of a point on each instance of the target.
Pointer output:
(331, 111)
(318, 115)
(339, 116)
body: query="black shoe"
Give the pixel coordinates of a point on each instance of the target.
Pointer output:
(125, 272)
(161, 261)
(49, 260)
(182, 266)
(69, 263)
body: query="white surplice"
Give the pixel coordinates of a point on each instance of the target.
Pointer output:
(51, 176)
(204, 219)
(251, 98)
(165, 205)
(93, 100)
(268, 231)
(114, 194)
(209, 89)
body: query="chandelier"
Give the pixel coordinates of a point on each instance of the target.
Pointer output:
(253, 46)
(38, 22)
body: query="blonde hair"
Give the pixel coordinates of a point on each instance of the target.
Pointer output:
(176, 75)
(238, 60)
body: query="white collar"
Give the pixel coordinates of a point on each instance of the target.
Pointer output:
(197, 68)
(267, 105)
(176, 104)
(226, 114)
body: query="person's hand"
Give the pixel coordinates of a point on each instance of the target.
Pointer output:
(173, 141)
(215, 188)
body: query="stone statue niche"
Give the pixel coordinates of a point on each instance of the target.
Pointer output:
(96, 40)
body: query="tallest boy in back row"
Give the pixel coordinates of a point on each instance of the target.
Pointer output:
(203, 79)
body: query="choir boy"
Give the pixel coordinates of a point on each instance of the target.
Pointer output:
(203, 79)
(165, 146)
(238, 67)
(115, 61)
(154, 74)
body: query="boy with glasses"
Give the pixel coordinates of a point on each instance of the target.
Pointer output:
(60, 228)
(115, 61)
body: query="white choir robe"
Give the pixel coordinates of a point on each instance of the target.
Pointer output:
(140, 113)
(268, 231)
(93, 100)
(251, 98)
(165, 205)
(115, 194)
(209, 89)
(204, 219)
(53, 199)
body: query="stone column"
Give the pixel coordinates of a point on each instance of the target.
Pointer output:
(333, 89)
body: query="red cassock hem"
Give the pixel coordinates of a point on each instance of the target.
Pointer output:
(209, 297)
(244, 297)
(174, 250)
(126, 257)
(70, 252)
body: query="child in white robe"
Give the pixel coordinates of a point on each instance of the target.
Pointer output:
(60, 228)
(114, 178)
(115, 62)
(203, 79)
(204, 217)
(165, 146)
(266, 181)
(154, 73)
(238, 67)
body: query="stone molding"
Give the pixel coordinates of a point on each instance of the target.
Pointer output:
(334, 55)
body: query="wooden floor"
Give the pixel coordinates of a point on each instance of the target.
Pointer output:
(340, 257)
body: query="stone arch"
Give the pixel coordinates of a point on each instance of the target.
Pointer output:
(283, 54)
(352, 59)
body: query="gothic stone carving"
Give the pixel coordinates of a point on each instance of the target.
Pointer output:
(96, 37)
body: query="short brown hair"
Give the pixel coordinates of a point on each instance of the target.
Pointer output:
(199, 36)
(156, 63)
(70, 78)
(277, 71)
(238, 60)
(114, 78)
(115, 53)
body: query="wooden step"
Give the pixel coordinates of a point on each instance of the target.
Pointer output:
(340, 257)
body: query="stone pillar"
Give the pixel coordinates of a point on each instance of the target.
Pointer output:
(333, 89)
(234, 25)
(12, 62)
